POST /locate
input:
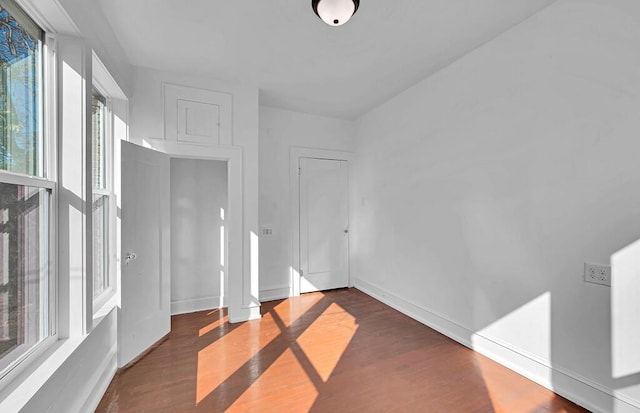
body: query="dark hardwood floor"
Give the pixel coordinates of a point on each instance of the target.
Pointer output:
(339, 351)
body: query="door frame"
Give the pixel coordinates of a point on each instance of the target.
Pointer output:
(295, 154)
(238, 305)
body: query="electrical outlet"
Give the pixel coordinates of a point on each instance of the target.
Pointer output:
(597, 274)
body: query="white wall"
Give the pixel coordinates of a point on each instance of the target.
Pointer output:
(89, 19)
(279, 131)
(482, 190)
(198, 193)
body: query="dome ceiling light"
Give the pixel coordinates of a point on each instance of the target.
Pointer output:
(335, 12)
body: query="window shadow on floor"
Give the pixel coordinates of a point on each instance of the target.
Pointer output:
(333, 351)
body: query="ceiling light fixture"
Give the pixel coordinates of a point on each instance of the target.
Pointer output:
(335, 12)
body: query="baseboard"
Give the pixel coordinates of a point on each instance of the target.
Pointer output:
(109, 368)
(144, 354)
(274, 294)
(245, 313)
(197, 304)
(564, 382)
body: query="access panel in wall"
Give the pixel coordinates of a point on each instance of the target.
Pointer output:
(193, 115)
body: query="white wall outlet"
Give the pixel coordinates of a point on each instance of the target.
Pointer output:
(597, 274)
(266, 231)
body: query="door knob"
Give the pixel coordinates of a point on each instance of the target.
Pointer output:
(346, 231)
(131, 256)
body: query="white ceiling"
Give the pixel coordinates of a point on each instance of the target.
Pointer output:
(296, 60)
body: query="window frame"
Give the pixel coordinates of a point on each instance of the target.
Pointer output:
(105, 296)
(47, 180)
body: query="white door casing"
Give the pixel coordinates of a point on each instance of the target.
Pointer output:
(324, 224)
(243, 281)
(145, 283)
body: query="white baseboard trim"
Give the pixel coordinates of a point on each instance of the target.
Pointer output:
(564, 382)
(109, 368)
(245, 313)
(197, 304)
(272, 294)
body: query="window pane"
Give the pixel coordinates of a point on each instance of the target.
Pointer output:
(24, 274)
(21, 146)
(101, 278)
(98, 134)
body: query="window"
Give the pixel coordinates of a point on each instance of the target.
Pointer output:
(26, 192)
(102, 196)
(20, 92)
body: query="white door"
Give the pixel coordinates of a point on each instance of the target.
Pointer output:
(324, 224)
(145, 285)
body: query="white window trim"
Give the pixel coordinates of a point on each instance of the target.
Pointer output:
(104, 298)
(107, 86)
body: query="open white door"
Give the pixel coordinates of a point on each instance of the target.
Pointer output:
(145, 286)
(324, 224)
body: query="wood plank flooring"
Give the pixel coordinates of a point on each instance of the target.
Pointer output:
(339, 351)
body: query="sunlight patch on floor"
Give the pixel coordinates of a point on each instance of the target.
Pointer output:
(214, 370)
(290, 311)
(325, 341)
(512, 395)
(213, 325)
(286, 372)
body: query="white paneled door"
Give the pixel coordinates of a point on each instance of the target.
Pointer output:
(324, 224)
(145, 284)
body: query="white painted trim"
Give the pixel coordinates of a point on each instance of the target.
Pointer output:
(245, 314)
(105, 83)
(171, 94)
(21, 179)
(87, 183)
(560, 380)
(38, 375)
(197, 304)
(271, 294)
(109, 367)
(294, 201)
(50, 15)
(109, 88)
(19, 394)
(239, 287)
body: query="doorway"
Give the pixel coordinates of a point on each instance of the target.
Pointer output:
(145, 282)
(324, 224)
(199, 239)
(320, 219)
